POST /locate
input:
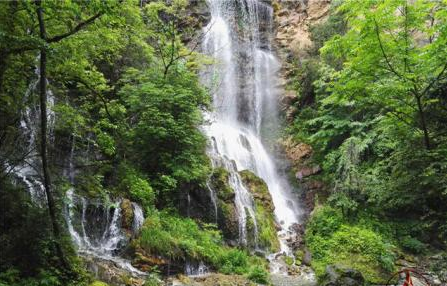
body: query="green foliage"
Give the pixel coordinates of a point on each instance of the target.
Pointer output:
(413, 245)
(126, 95)
(373, 110)
(333, 240)
(259, 275)
(153, 280)
(179, 238)
(234, 261)
(268, 237)
(98, 283)
(21, 219)
(183, 239)
(162, 112)
(135, 186)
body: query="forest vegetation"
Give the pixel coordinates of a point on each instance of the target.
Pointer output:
(117, 83)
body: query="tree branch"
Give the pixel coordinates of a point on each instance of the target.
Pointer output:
(383, 51)
(75, 30)
(435, 80)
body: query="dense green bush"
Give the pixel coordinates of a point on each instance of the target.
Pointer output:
(134, 185)
(413, 245)
(371, 105)
(333, 240)
(183, 239)
(179, 238)
(259, 275)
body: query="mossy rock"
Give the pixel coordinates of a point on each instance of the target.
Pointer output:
(258, 188)
(227, 220)
(264, 208)
(98, 283)
(219, 183)
(250, 225)
(127, 214)
(299, 256)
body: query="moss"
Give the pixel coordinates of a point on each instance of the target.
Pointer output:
(250, 225)
(219, 183)
(299, 256)
(288, 260)
(98, 283)
(228, 220)
(267, 235)
(227, 216)
(127, 214)
(256, 185)
(267, 230)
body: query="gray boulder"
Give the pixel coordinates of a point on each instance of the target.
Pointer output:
(336, 275)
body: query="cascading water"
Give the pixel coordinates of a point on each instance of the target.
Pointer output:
(242, 82)
(29, 170)
(95, 225)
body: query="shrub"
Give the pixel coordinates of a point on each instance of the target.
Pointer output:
(259, 275)
(334, 241)
(137, 186)
(413, 245)
(183, 239)
(234, 261)
(180, 238)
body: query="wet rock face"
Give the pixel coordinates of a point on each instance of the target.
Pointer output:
(300, 156)
(127, 215)
(307, 171)
(258, 188)
(148, 263)
(264, 209)
(338, 276)
(227, 218)
(112, 274)
(198, 205)
(197, 15)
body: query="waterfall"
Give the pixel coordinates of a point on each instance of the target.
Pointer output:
(138, 218)
(243, 83)
(196, 269)
(28, 171)
(95, 225)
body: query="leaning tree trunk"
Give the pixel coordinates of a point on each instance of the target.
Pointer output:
(43, 141)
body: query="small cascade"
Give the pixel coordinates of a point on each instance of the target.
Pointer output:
(29, 171)
(194, 269)
(95, 228)
(213, 196)
(138, 218)
(95, 225)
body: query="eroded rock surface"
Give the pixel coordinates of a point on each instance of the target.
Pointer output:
(293, 19)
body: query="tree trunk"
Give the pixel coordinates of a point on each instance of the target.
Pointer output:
(423, 122)
(43, 141)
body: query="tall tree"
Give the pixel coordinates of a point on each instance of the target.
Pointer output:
(44, 118)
